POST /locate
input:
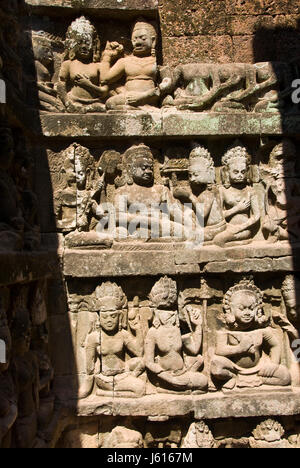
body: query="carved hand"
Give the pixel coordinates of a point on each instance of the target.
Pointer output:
(243, 205)
(133, 98)
(195, 315)
(268, 370)
(112, 51)
(83, 80)
(182, 193)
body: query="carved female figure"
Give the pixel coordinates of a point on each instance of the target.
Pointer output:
(165, 346)
(282, 221)
(43, 67)
(86, 196)
(204, 192)
(139, 69)
(79, 78)
(239, 201)
(107, 346)
(239, 358)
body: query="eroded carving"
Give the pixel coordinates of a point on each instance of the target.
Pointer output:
(139, 69)
(172, 359)
(203, 192)
(106, 349)
(239, 360)
(238, 198)
(79, 86)
(198, 436)
(282, 221)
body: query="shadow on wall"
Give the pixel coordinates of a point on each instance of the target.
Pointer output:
(19, 71)
(281, 47)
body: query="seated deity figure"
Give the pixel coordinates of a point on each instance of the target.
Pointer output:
(159, 215)
(79, 85)
(203, 192)
(173, 360)
(107, 347)
(11, 219)
(238, 199)
(248, 352)
(85, 201)
(44, 60)
(282, 220)
(139, 69)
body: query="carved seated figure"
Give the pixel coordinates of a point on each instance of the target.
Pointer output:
(238, 199)
(203, 192)
(144, 209)
(79, 85)
(85, 202)
(173, 361)
(241, 358)
(282, 221)
(11, 220)
(43, 67)
(140, 71)
(107, 346)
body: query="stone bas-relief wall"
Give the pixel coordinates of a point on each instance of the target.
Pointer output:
(150, 220)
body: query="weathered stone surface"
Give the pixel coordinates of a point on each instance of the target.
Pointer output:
(24, 267)
(172, 261)
(169, 124)
(215, 406)
(97, 7)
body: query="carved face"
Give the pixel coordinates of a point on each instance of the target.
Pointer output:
(109, 320)
(244, 308)
(84, 48)
(167, 317)
(44, 55)
(279, 186)
(142, 171)
(142, 42)
(80, 172)
(291, 299)
(238, 171)
(200, 172)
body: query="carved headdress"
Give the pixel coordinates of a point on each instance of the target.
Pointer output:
(236, 151)
(133, 154)
(82, 30)
(268, 430)
(197, 155)
(111, 295)
(245, 285)
(164, 293)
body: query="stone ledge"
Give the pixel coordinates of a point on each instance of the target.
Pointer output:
(163, 123)
(94, 7)
(279, 402)
(175, 260)
(20, 267)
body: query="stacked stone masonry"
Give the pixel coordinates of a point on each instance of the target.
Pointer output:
(149, 224)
